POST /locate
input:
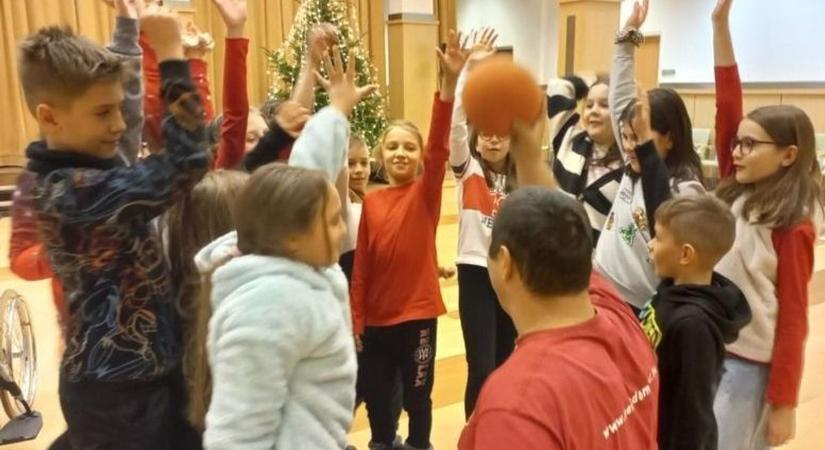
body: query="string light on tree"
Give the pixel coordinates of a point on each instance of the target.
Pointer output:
(284, 65)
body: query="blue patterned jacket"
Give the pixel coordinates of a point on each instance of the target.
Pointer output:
(94, 217)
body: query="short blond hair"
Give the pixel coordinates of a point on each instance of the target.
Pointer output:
(57, 65)
(703, 221)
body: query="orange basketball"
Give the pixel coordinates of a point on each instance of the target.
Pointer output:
(499, 91)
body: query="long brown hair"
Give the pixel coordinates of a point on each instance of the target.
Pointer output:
(199, 218)
(793, 193)
(669, 116)
(277, 202)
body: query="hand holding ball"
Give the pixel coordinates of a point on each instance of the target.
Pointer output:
(497, 92)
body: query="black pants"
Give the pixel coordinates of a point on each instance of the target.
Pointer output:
(125, 416)
(408, 347)
(489, 334)
(397, 389)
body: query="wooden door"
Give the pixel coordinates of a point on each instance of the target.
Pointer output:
(647, 63)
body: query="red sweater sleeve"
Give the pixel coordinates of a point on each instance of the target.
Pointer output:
(235, 105)
(437, 153)
(27, 257)
(153, 108)
(152, 104)
(795, 262)
(358, 289)
(197, 67)
(728, 115)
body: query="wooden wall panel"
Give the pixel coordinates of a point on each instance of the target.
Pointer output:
(268, 25)
(703, 104)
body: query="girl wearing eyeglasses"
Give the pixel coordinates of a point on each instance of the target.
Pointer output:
(772, 181)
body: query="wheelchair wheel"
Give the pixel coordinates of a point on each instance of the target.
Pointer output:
(18, 354)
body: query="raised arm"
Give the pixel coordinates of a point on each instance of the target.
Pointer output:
(198, 67)
(438, 146)
(729, 110)
(320, 39)
(654, 172)
(125, 43)
(622, 88)
(459, 132)
(289, 120)
(562, 98)
(235, 98)
(529, 158)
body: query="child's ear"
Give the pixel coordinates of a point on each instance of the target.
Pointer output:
(792, 151)
(45, 115)
(688, 254)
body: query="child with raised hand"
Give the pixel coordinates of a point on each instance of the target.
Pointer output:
(486, 175)
(773, 184)
(396, 297)
(196, 46)
(587, 162)
(694, 313)
(287, 119)
(27, 256)
(117, 383)
(280, 338)
(662, 162)
(240, 127)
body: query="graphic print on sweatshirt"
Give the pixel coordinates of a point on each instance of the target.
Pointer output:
(650, 326)
(477, 196)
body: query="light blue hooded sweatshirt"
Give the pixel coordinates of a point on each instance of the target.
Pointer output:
(281, 351)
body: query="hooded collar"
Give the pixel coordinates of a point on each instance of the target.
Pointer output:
(722, 301)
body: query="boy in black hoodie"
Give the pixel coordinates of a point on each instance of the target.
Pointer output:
(693, 315)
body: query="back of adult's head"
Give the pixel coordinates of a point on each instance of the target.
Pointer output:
(549, 239)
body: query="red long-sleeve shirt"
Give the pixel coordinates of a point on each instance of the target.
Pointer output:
(153, 107)
(235, 105)
(794, 247)
(395, 276)
(27, 256)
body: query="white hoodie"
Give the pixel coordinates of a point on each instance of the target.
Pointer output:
(281, 352)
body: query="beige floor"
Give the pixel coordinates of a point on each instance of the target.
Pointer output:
(450, 368)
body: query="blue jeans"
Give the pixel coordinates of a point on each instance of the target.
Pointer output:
(740, 406)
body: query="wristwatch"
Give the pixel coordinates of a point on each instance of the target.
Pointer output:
(631, 35)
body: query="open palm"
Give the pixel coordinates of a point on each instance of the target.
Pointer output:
(722, 10)
(453, 57)
(485, 45)
(638, 16)
(127, 8)
(233, 12)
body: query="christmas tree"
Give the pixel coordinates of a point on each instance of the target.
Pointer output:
(284, 65)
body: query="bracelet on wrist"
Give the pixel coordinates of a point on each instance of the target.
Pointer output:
(631, 35)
